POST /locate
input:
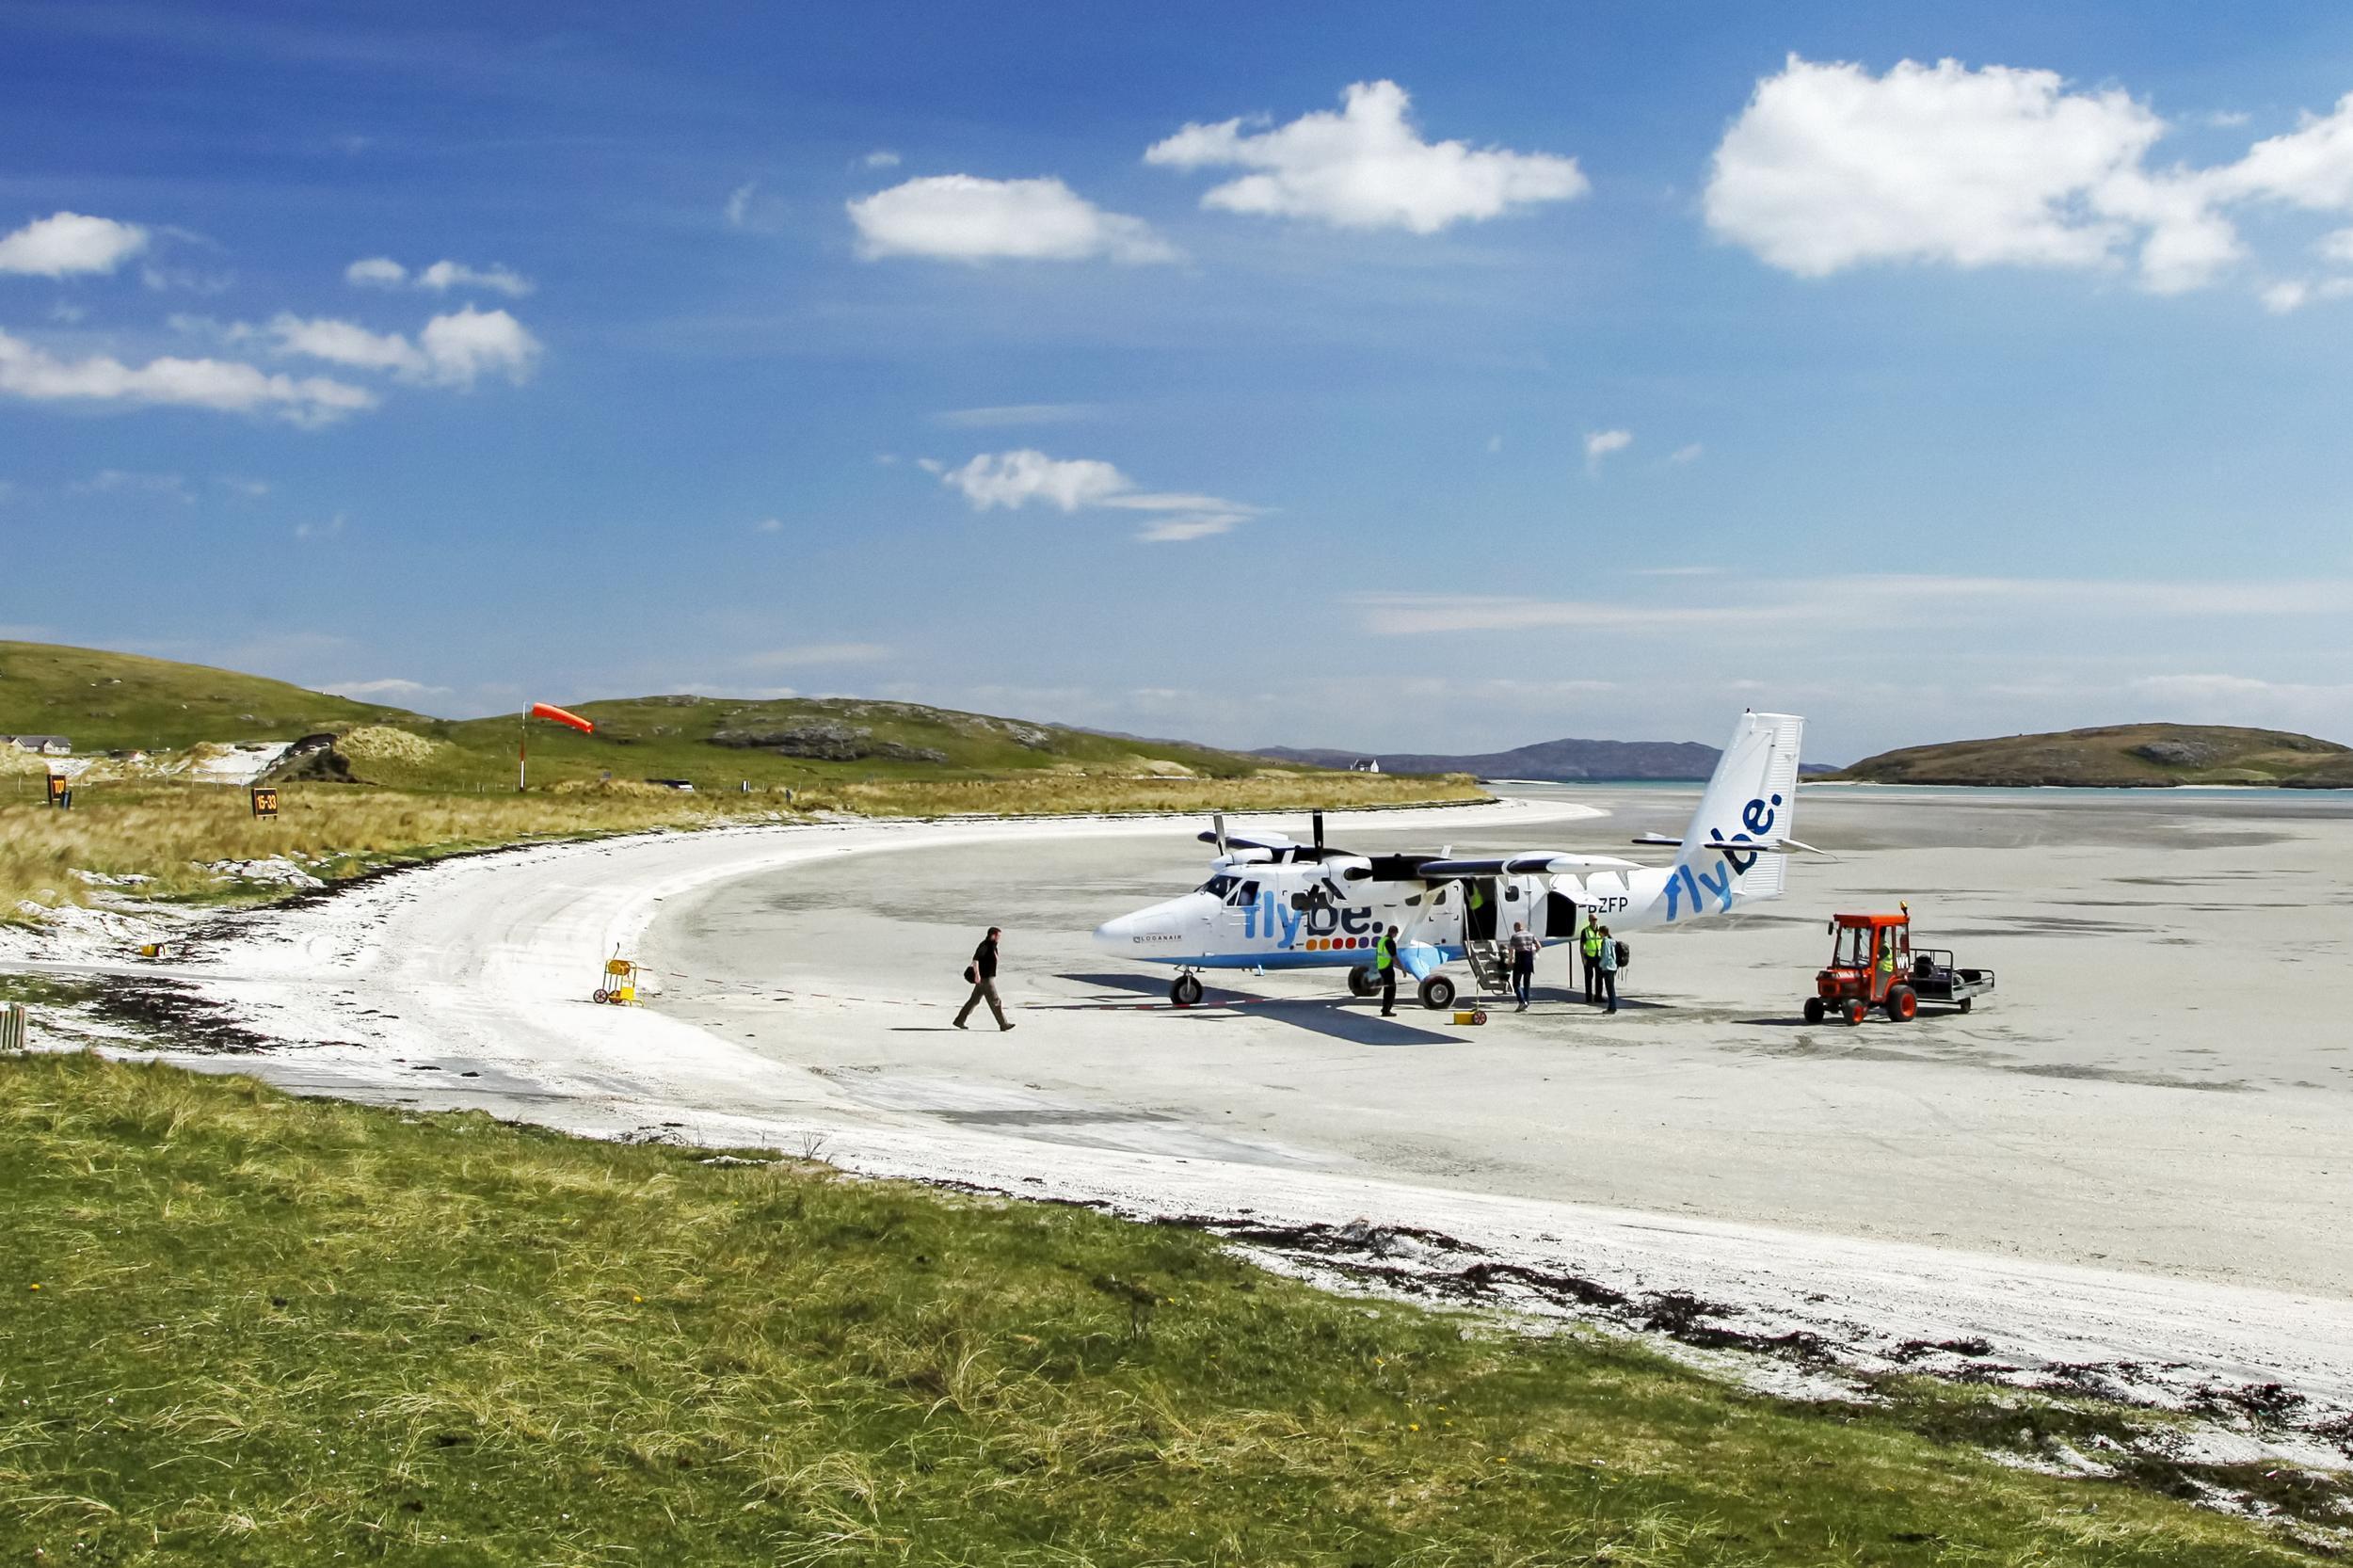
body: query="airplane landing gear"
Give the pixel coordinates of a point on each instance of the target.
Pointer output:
(1363, 981)
(1437, 992)
(1185, 990)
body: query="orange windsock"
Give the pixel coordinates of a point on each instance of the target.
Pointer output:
(550, 711)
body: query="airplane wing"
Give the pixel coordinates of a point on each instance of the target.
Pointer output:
(1527, 862)
(1250, 840)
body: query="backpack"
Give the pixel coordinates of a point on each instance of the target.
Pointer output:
(1625, 955)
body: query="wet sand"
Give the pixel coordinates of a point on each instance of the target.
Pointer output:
(2161, 1084)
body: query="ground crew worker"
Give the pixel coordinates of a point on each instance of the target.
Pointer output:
(1523, 950)
(1609, 968)
(1887, 950)
(982, 972)
(1385, 960)
(1588, 945)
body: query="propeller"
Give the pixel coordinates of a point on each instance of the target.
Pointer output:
(1217, 825)
(1318, 820)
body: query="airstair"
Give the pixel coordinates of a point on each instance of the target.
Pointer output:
(1486, 965)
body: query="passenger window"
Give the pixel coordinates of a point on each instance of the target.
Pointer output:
(1246, 893)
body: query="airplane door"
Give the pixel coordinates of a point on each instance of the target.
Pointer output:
(1480, 897)
(1559, 918)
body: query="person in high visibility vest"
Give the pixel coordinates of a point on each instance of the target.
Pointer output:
(1887, 950)
(1589, 947)
(1385, 960)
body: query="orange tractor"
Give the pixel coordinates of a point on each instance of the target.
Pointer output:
(1873, 965)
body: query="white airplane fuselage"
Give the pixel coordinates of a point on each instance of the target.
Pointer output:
(1276, 904)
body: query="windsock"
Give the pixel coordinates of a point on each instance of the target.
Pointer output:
(550, 711)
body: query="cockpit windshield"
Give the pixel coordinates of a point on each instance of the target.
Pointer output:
(1217, 887)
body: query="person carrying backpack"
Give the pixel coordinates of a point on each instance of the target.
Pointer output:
(1612, 957)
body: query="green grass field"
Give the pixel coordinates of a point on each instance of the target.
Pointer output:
(241, 1328)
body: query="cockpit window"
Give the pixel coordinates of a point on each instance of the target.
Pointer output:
(1246, 893)
(1217, 887)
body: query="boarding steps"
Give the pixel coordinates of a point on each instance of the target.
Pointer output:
(1486, 965)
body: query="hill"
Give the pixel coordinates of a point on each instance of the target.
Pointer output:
(105, 701)
(1566, 761)
(2125, 755)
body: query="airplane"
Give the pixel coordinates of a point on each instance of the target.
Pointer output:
(1272, 902)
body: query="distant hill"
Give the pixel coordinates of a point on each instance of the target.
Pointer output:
(2120, 757)
(107, 701)
(1564, 761)
(103, 701)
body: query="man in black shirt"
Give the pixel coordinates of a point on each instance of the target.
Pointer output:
(982, 974)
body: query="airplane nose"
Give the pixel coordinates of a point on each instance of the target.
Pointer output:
(1116, 934)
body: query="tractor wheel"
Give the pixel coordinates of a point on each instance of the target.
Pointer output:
(1854, 1010)
(1437, 992)
(1966, 1002)
(1363, 981)
(1185, 991)
(1814, 1010)
(1903, 1004)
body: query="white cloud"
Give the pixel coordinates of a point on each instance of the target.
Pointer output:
(1366, 168)
(1685, 453)
(443, 275)
(331, 528)
(468, 343)
(1601, 443)
(1015, 413)
(120, 482)
(2292, 295)
(226, 385)
(345, 342)
(740, 203)
(882, 157)
(1494, 443)
(64, 244)
(1830, 167)
(393, 686)
(1015, 479)
(382, 272)
(251, 489)
(964, 218)
(2227, 120)
(817, 653)
(769, 525)
(376, 272)
(2337, 246)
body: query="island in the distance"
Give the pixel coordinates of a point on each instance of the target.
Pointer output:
(2121, 756)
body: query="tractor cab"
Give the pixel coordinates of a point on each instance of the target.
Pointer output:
(1873, 966)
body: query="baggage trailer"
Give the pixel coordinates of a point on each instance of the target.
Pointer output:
(1873, 966)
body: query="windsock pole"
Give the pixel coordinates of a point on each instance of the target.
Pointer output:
(522, 750)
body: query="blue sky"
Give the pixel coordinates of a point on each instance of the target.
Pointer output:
(1420, 381)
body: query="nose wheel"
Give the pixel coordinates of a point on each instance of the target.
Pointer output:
(1185, 991)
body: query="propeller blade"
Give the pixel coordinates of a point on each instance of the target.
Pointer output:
(1318, 820)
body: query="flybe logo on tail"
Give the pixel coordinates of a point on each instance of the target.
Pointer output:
(1683, 886)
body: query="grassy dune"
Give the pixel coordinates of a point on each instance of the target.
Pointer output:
(244, 1328)
(2138, 756)
(170, 832)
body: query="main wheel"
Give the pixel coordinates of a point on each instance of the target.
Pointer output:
(1854, 1010)
(1814, 1010)
(1966, 1002)
(1185, 990)
(1902, 1005)
(1363, 983)
(1437, 992)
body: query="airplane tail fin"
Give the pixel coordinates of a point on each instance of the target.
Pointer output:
(1752, 798)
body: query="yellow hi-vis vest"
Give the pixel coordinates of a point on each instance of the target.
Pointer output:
(1887, 959)
(1589, 942)
(1384, 954)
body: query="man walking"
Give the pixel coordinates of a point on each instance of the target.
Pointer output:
(1385, 960)
(982, 972)
(1524, 948)
(1609, 968)
(1589, 947)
